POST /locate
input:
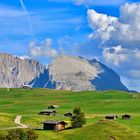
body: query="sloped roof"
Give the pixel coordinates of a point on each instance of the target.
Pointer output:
(126, 115)
(49, 111)
(54, 122)
(68, 113)
(111, 115)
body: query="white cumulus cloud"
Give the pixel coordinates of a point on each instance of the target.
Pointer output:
(101, 24)
(115, 55)
(119, 38)
(42, 49)
(123, 31)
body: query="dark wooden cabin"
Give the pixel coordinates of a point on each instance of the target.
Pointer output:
(52, 106)
(54, 125)
(68, 114)
(111, 117)
(126, 117)
(26, 87)
(48, 112)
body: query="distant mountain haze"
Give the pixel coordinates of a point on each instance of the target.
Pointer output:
(65, 72)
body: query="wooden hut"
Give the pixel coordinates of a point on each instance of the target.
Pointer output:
(48, 112)
(68, 114)
(111, 117)
(52, 106)
(54, 125)
(26, 87)
(126, 117)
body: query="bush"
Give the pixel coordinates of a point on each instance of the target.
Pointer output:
(31, 135)
(16, 134)
(78, 119)
(2, 137)
(20, 134)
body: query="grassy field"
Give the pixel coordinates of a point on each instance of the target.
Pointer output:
(95, 105)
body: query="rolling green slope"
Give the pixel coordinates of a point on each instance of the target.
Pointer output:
(103, 130)
(96, 105)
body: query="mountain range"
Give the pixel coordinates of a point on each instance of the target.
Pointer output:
(65, 72)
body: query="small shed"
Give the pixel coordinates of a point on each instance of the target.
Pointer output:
(48, 112)
(54, 125)
(68, 114)
(111, 117)
(52, 106)
(126, 117)
(26, 87)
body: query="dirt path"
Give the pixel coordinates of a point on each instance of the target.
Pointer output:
(17, 121)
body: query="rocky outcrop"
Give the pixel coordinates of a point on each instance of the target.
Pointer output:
(65, 72)
(15, 72)
(76, 73)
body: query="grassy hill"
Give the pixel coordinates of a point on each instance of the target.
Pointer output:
(96, 105)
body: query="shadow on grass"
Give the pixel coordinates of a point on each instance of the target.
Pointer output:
(39, 129)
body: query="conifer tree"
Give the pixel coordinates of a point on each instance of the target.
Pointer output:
(78, 119)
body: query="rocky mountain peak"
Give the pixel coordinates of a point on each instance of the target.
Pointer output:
(15, 71)
(65, 72)
(76, 73)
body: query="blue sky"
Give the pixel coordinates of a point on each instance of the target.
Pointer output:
(44, 29)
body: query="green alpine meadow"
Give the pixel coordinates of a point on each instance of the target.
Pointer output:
(95, 105)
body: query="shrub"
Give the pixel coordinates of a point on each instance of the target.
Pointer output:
(16, 134)
(20, 134)
(78, 119)
(31, 135)
(2, 137)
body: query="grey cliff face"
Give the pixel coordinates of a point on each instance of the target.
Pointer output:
(78, 74)
(65, 72)
(15, 72)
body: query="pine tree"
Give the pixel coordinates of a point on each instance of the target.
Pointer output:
(78, 119)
